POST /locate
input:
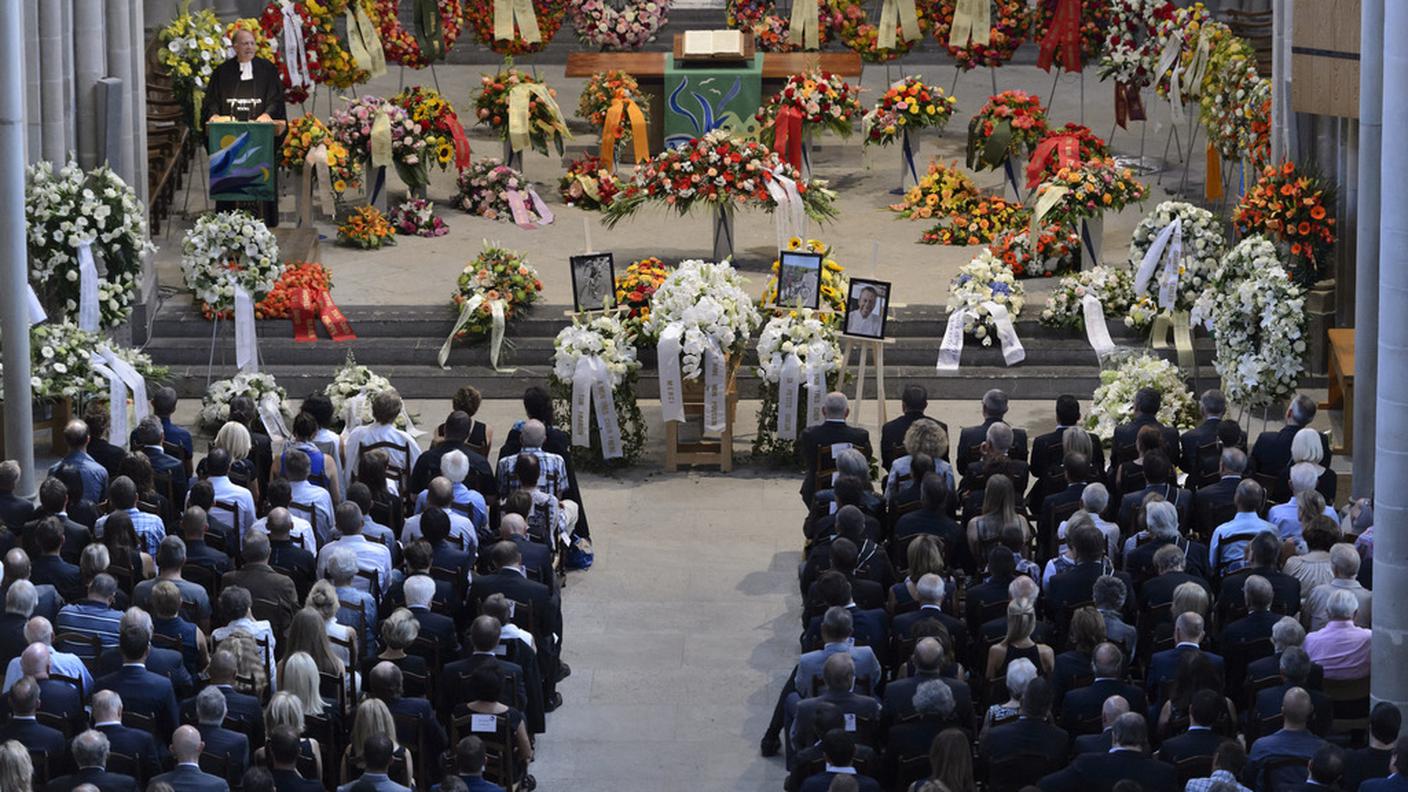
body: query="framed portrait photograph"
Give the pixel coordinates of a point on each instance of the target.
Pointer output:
(593, 282)
(867, 308)
(799, 280)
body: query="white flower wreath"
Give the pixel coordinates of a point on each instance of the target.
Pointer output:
(710, 301)
(801, 332)
(1131, 45)
(1203, 246)
(354, 379)
(229, 248)
(1113, 401)
(600, 24)
(215, 405)
(606, 336)
(985, 279)
(1112, 286)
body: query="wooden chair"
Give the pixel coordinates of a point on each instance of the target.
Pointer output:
(204, 577)
(373, 578)
(128, 766)
(40, 761)
(398, 468)
(1014, 772)
(333, 688)
(350, 646)
(410, 732)
(429, 649)
(179, 452)
(89, 647)
(1350, 698)
(217, 765)
(56, 722)
(138, 721)
(1193, 767)
(500, 746)
(305, 510)
(357, 612)
(1276, 486)
(1208, 457)
(320, 728)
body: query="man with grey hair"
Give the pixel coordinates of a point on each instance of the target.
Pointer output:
(833, 435)
(1344, 563)
(552, 468)
(17, 566)
(454, 468)
(971, 437)
(839, 676)
(1227, 550)
(1109, 594)
(386, 408)
(94, 615)
(340, 568)
(1080, 706)
(90, 755)
(372, 558)
(1188, 635)
(125, 740)
(1161, 517)
(1240, 638)
(931, 590)
(1219, 491)
(1296, 670)
(1126, 759)
(1196, 442)
(1286, 516)
(39, 630)
(933, 701)
(440, 493)
(219, 741)
(1101, 742)
(19, 606)
(1341, 647)
(94, 475)
(419, 590)
(1272, 452)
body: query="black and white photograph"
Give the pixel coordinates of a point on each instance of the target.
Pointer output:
(593, 282)
(867, 308)
(799, 280)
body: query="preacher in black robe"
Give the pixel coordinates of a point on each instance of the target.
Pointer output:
(246, 88)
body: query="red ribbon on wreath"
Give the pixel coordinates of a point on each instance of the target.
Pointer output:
(461, 141)
(1066, 150)
(787, 136)
(1063, 35)
(309, 307)
(1128, 104)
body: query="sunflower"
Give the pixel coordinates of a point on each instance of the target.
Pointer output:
(444, 153)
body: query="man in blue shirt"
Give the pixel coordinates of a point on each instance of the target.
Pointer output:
(93, 616)
(149, 527)
(1286, 516)
(454, 466)
(1227, 549)
(164, 404)
(95, 477)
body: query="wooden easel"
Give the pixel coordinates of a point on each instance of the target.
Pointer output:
(874, 348)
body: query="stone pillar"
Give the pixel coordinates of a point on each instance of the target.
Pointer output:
(71, 119)
(89, 65)
(14, 264)
(1366, 281)
(118, 28)
(33, 92)
(1390, 679)
(55, 109)
(138, 70)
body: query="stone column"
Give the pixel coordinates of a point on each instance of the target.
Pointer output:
(138, 70)
(1390, 679)
(1366, 280)
(71, 119)
(14, 263)
(119, 65)
(55, 110)
(89, 66)
(33, 92)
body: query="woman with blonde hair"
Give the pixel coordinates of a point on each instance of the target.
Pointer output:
(373, 717)
(286, 709)
(924, 436)
(298, 677)
(307, 634)
(1018, 643)
(999, 512)
(1076, 440)
(950, 764)
(16, 771)
(235, 439)
(323, 600)
(925, 556)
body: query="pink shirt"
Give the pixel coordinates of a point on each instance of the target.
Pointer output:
(1342, 648)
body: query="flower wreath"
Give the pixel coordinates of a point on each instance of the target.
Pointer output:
(1112, 404)
(1091, 146)
(1187, 23)
(613, 339)
(814, 341)
(1112, 286)
(215, 405)
(1010, 22)
(601, 90)
(1094, 187)
(549, 14)
(497, 274)
(545, 122)
(307, 132)
(1012, 122)
(405, 47)
(1233, 105)
(366, 228)
(329, 62)
(858, 33)
(978, 222)
(416, 217)
(825, 101)
(437, 120)
(1094, 21)
(1203, 247)
(1259, 327)
(61, 364)
(1057, 250)
(65, 208)
(907, 104)
(225, 249)
(770, 30)
(1132, 46)
(1293, 209)
(711, 304)
(351, 126)
(984, 279)
(189, 49)
(483, 187)
(600, 24)
(588, 184)
(636, 286)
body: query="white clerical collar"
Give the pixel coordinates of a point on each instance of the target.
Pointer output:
(101, 724)
(1191, 644)
(831, 768)
(247, 70)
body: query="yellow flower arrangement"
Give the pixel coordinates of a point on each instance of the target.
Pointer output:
(833, 279)
(367, 228)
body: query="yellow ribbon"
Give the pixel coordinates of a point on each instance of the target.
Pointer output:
(1198, 66)
(509, 12)
(805, 24)
(972, 23)
(316, 171)
(1182, 337)
(1048, 199)
(364, 41)
(611, 132)
(381, 140)
(589, 187)
(903, 13)
(520, 125)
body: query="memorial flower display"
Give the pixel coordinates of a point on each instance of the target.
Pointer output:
(548, 14)
(1009, 24)
(1236, 101)
(588, 184)
(438, 123)
(366, 228)
(612, 339)
(416, 217)
(908, 105)
(278, 302)
(984, 279)
(1047, 157)
(815, 343)
(1112, 286)
(1202, 242)
(602, 90)
(1091, 189)
(771, 31)
(816, 100)
(712, 306)
(862, 36)
(1011, 124)
(543, 120)
(1095, 19)
(190, 47)
(942, 190)
(484, 187)
(497, 275)
(353, 126)
(437, 28)
(353, 379)
(1294, 209)
(601, 24)
(329, 61)
(215, 405)
(1054, 251)
(60, 364)
(1131, 48)
(305, 134)
(978, 222)
(636, 287)
(225, 249)
(1113, 402)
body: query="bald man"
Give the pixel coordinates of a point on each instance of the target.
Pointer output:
(928, 665)
(187, 776)
(40, 630)
(1110, 711)
(537, 557)
(23, 727)
(60, 699)
(1293, 740)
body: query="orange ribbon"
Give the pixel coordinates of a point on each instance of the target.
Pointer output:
(1212, 190)
(611, 131)
(1066, 150)
(1063, 35)
(461, 141)
(787, 136)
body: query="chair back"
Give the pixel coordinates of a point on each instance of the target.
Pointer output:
(1193, 767)
(1208, 458)
(178, 451)
(373, 578)
(428, 648)
(54, 721)
(40, 762)
(204, 577)
(1276, 486)
(138, 721)
(77, 683)
(333, 688)
(128, 766)
(217, 765)
(1059, 514)
(1350, 698)
(398, 468)
(86, 645)
(1272, 768)
(228, 506)
(410, 732)
(305, 510)
(500, 761)
(1011, 773)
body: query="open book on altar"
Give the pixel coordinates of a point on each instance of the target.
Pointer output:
(713, 44)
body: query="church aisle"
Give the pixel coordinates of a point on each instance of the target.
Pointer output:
(679, 637)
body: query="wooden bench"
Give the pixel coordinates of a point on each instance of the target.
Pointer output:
(1341, 395)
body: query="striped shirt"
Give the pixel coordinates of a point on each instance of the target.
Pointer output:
(92, 618)
(149, 527)
(552, 473)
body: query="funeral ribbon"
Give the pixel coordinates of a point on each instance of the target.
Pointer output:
(1172, 59)
(461, 141)
(1065, 149)
(246, 341)
(1012, 351)
(1096, 331)
(36, 308)
(787, 136)
(518, 207)
(467, 309)
(790, 214)
(1045, 202)
(507, 13)
(816, 383)
(1212, 187)
(295, 54)
(1089, 239)
(789, 383)
(1169, 240)
(1063, 35)
(364, 41)
(272, 414)
(591, 384)
(805, 25)
(117, 399)
(519, 128)
(429, 36)
(972, 23)
(379, 145)
(309, 307)
(622, 105)
(1181, 325)
(715, 410)
(1195, 70)
(87, 288)
(667, 353)
(316, 172)
(951, 348)
(904, 13)
(1129, 106)
(496, 332)
(130, 377)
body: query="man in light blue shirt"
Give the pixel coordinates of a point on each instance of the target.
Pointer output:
(371, 556)
(1286, 516)
(310, 501)
(1227, 549)
(440, 495)
(454, 466)
(149, 527)
(95, 477)
(217, 468)
(341, 569)
(39, 630)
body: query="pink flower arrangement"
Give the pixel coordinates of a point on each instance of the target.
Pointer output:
(416, 217)
(484, 187)
(352, 127)
(601, 25)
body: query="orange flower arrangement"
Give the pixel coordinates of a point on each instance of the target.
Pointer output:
(1292, 209)
(297, 275)
(979, 224)
(367, 229)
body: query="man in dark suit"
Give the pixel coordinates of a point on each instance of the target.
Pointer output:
(419, 590)
(239, 706)
(1396, 780)
(931, 599)
(47, 598)
(1272, 452)
(991, 457)
(1294, 740)
(57, 699)
(53, 502)
(1295, 670)
(24, 728)
(1125, 760)
(994, 410)
(1030, 736)
(263, 582)
(839, 748)
(164, 401)
(1170, 566)
(419, 560)
(1081, 706)
(1237, 638)
(1162, 519)
(990, 595)
(169, 663)
(1077, 471)
(1327, 768)
(20, 600)
(135, 743)
(1077, 584)
(537, 558)
(285, 553)
(484, 634)
(1100, 742)
(932, 517)
(839, 675)
(284, 746)
(50, 568)
(385, 682)
(148, 437)
(1188, 636)
(1200, 739)
(928, 665)
(1213, 405)
(1158, 471)
(427, 467)
(90, 755)
(186, 747)
(831, 431)
(142, 691)
(1264, 554)
(509, 579)
(194, 526)
(914, 400)
(1221, 494)
(229, 745)
(435, 528)
(1372, 761)
(1147, 402)
(14, 510)
(1047, 449)
(871, 627)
